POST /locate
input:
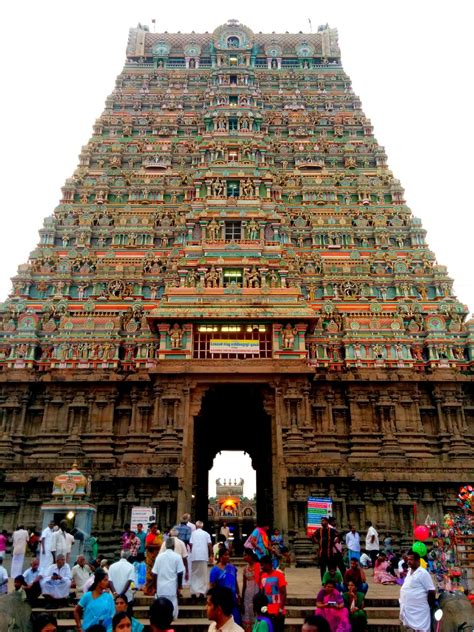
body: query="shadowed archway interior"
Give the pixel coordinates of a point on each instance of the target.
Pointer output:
(232, 417)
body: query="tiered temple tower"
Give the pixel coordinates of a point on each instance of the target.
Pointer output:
(233, 265)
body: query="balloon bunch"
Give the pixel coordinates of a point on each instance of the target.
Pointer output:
(421, 533)
(465, 498)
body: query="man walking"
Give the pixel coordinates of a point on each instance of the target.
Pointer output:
(353, 543)
(201, 549)
(372, 542)
(121, 576)
(46, 558)
(325, 537)
(169, 569)
(417, 596)
(20, 538)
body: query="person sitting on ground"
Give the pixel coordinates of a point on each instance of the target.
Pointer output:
(80, 572)
(381, 572)
(161, 615)
(330, 605)
(33, 579)
(354, 602)
(335, 574)
(220, 604)
(365, 561)
(355, 574)
(122, 605)
(315, 623)
(56, 583)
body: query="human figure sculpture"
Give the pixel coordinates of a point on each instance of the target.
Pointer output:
(213, 230)
(253, 230)
(253, 278)
(247, 188)
(176, 336)
(288, 336)
(211, 278)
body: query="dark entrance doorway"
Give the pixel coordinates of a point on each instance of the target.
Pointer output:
(232, 417)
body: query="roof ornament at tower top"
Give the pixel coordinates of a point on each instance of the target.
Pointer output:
(71, 485)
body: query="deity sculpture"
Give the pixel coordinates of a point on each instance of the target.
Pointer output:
(288, 337)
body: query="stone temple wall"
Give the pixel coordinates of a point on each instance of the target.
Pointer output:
(234, 249)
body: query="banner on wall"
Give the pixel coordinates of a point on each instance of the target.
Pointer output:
(318, 508)
(234, 346)
(145, 515)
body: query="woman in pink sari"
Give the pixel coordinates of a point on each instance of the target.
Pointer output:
(381, 574)
(330, 605)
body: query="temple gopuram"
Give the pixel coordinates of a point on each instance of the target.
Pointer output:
(233, 266)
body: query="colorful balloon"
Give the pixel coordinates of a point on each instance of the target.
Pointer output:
(421, 532)
(419, 548)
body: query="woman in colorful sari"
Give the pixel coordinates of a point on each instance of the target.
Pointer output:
(381, 574)
(153, 542)
(96, 605)
(330, 605)
(225, 575)
(354, 602)
(250, 588)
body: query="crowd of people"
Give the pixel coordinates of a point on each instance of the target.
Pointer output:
(161, 564)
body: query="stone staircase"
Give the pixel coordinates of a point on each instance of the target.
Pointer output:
(382, 614)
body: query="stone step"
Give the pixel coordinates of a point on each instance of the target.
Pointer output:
(291, 625)
(304, 602)
(199, 612)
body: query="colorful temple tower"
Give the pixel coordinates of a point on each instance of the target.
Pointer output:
(233, 265)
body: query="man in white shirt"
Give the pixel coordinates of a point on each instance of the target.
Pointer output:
(69, 542)
(220, 603)
(121, 576)
(46, 559)
(57, 582)
(201, 549)
(169, 569)
(32, 577)
(59, 541)
(417, 596)
(81, 572)
(372, 542)
(20, 538)
(181, 549)
(353, 543)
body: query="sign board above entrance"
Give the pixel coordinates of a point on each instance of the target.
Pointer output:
(234, 346)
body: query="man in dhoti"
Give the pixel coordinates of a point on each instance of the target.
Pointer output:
(20, 539)
(201, 549)
(56, 583)
(46, 557)
(168, 569)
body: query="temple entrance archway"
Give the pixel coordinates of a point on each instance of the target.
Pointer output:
(233, 417)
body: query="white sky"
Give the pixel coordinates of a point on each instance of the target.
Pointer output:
(410, 62)
(234, 465)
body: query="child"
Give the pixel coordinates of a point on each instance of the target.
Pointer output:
(140, 571)
(262, 622)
